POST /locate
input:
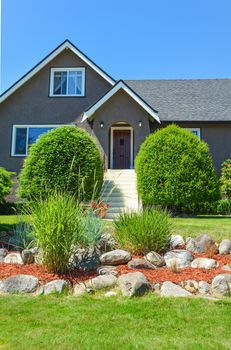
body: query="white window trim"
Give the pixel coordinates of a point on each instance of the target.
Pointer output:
(13, 144)
(198, 130)
(112, 142)
(66, 69)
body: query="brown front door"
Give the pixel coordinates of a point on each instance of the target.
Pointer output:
(121, 149)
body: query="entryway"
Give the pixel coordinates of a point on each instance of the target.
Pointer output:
(121, 153)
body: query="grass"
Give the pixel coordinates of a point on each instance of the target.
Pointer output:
(94, 323)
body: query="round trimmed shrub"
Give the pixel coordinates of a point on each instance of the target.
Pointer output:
(174, 170)
(5, 183)
(65, 159)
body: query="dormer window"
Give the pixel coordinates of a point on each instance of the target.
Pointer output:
(67, 82)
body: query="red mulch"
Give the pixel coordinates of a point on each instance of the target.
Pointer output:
(154, 276)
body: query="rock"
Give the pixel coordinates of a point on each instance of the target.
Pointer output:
(107, 270)
(19, 284)
(104, 281)
(13, 258)
(110, 293)
(190, 285)
(182, 258)
(156, 288)
(27, 256)
(80, 289)
(3, 253)
(155, 259)
(176, 240)
(133, 284)
(38, 255)
(140, 264)
(169, 289)
(203, 287)
(86, 259)
(34, 250)
(227, 276)
(226, 267)
(204, 263)
(115, 257)
(106, 243)
(220, 286)
(200, 244)
(225, 247)
(56, 286)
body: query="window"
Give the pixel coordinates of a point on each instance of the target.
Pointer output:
(196, 131)
(67, 82)
(25, 135)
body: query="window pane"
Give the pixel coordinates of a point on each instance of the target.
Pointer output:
(34, 133)
(75, 83)
(60, 83)
(20, 141)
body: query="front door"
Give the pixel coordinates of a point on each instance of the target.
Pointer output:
(121, 149)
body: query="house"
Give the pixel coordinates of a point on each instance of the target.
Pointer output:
(67, 87)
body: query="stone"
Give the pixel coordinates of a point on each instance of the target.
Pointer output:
(155, 259)
(133, 284)
(219, 286)
(27, 256)
(225, 247)
(86, 259)
(204, 263)
(13, 258)
(190, 285)
(80, 289)
(3, 254)
(103, 281)
(140, 264)
(156, 288)
(169, 289)
(115, 257)
(110, 293)
(176, 240)
(226, 267)
(56, 286)
(181, 257)
(203, 287)
(38, 255)
(19, 284)
(106, 243)
(227, 276)
(107, 270)
(200, 244)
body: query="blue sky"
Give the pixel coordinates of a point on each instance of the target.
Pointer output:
(130, 39)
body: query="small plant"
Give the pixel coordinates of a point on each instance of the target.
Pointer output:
(100, 208)
(143, 231)
(5, 183)
(225, 179)
(57, 224)
(173, 267)
(92, 227)
(23, 237)
(210, 250)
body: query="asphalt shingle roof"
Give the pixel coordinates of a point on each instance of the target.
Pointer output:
(187, 100)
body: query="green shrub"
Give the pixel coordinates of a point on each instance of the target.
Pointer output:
(174, 170)
(57, 225)
(226, 179)
(223, 207)
(5, 183)
(143, 231)
(64, 159)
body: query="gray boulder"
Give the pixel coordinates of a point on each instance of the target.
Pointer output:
(169, 289)
(226, 267)
(80, 289)
(227, 276)
(176, 240)
(155, 259)
(115, 257)
(203, 287)
(19, 284)
(133, 284)
(106, 243)
(190, 285)
(3, 254)
(204, 263)
(220, 286)
(200, 244)
(225, 247)
(27, 256)
(13, 258)
(86, 259)
(56, 286)
(140, 264)
(103, 281)
(181, 257)
(107, 270)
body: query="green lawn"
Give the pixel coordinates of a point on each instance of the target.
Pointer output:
(113, 323)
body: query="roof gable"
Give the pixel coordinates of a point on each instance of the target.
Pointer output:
(120, 85)
(65, 45)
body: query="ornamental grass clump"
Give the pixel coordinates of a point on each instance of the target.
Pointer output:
(57, 224)
(148, 230)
